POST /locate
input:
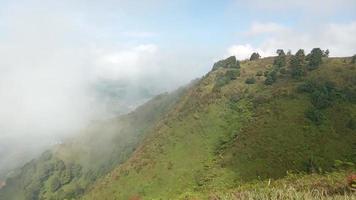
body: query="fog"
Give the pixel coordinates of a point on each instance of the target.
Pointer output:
(59, 72)
(64, 64)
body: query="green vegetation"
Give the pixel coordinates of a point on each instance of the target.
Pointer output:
(255, 56)
(284, 137)
(353, 59)
(216, 142)
(250, 80)
(280, 60)
(315, 58)
(297, 64)
(229, 62)
(68, 170)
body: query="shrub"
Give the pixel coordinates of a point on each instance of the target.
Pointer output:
(259, 73)
(315, 115)
(250, 80)
(321, 99)
(55, 184)
(232, 74)
(271, 77)
(351, 124)
(283, 71)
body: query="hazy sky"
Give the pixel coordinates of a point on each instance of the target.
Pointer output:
(53, 51)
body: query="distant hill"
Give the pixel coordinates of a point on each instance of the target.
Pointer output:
(242, 131)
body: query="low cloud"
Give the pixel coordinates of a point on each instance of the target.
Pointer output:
(338, 38)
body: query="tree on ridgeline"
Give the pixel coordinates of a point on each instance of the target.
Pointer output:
(326, 53)
(280, 60)
(353, 60)
(315, 58)
(255, 56)
(297, 64)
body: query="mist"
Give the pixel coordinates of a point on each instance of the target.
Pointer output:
(65, 64)
(57, 74)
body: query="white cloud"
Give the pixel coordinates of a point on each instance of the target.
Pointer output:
(311, 6)
(139, 34)
(244, 51)
(128, 63)
(258, 28)
(338, 38)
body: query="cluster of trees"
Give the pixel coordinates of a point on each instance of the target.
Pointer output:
(297, 66)
(324, 94)
(229, 62)
(233, 71)
(47, 176)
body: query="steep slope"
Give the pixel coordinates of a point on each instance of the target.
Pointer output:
(67, 170)
(234, 126)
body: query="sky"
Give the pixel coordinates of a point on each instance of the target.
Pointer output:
(53, 53)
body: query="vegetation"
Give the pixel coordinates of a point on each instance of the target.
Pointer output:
(214, 144)
(229, 62)
(315, 58)
(218, 139)
(67, 171)
(353, 59)
(250, 80)
(297, 64)
(255, 56)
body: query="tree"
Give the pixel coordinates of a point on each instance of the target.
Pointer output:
(280, 52)
(297, 63)
(229, 62)
(255, 56)
(315, 58)
(326, 53)
(353, 60)
(289, 52)
(280, 60)
(271, 77)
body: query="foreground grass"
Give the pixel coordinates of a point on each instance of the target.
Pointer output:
(294, 187)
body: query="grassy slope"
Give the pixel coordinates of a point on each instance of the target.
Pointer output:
(95, 152)
(216, 140)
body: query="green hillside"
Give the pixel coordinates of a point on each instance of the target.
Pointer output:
(281, 127)
(66, 171)
(241, 124)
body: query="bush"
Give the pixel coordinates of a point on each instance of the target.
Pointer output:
(315, 115)
(251, 80)
(259, 73)
(55, 184)
(271, 77)
(283, 71)
(222, 81)
(321, 99)
(351, 124)
(232, 74)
